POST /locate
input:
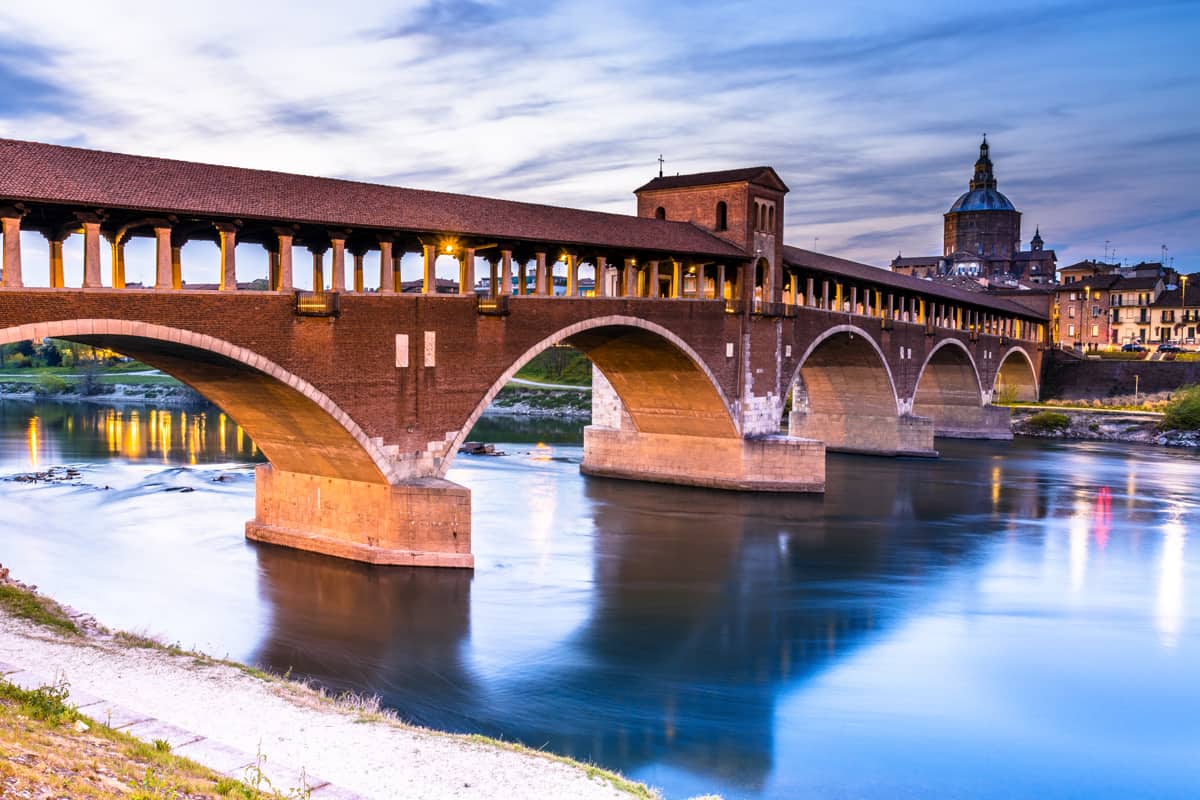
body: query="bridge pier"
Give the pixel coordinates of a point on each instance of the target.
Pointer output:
(761, 464)
(421, 523)
(613, 447)
(969, 422)
(871, 434)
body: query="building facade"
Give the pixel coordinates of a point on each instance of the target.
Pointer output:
(982, 238)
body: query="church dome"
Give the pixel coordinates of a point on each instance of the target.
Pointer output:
(983, 199)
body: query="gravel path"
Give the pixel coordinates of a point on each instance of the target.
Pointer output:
(236, 713)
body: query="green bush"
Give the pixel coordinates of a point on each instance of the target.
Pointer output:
(1183, 411)
(1048, 422)
(50, 384)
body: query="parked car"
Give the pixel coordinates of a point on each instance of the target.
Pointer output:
(1134, 347)
(1168, 347)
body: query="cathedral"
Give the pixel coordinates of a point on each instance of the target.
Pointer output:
(982, 238)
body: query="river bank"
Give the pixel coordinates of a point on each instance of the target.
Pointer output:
(1099, 425)
(229, 718)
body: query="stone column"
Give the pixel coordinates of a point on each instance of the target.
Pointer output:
(10, 225)
(398, 269)
(676, 279)
(505, 272)
(721, 281)
(176, 265)
(163, 278)
(318, 254)
(572, 275)
(116, 241)
(338, 266)
(55, 241)
(466, 271)
(387, 275)
(601, 279)
(630, 283)
(359, 281)
(429, 275)
(539, 274)
(228, 234)
(91, 250)
(652, 289)
(280, 279)
(523, 277)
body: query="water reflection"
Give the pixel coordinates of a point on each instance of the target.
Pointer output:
(56, 432)
(927, 628)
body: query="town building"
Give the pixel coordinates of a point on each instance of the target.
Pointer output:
(1100, 306)
(982, 238)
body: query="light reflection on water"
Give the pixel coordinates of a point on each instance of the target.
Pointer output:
(1010, 620)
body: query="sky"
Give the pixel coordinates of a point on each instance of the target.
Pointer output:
(871, 112)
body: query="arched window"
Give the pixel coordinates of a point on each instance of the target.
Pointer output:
(660, 213)
(722, 216)
(758, 216)
(771, 218)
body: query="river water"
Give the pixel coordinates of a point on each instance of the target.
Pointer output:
(1011, 620)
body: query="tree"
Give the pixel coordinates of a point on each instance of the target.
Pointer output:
(25, 348)
(51, 355)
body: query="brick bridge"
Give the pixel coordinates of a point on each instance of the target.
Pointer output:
(700, 324)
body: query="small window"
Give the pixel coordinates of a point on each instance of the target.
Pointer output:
(771, 218)
(660, 213)
(722, 216)
(1095, 330)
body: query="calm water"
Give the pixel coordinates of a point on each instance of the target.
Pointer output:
(1012, 620)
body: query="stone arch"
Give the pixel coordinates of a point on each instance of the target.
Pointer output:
(297, 427)
(664, 384)
(722, 222)
(839, 385)
(948, 385)
(1017, 375)
(844, 395)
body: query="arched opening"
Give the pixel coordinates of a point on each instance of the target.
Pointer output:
(1016, 380)
(762, 270)
(296, 427)
(843, 394)
(771, 218)
(659, 384)
(948, 390)
(660, 213)
(722, 221)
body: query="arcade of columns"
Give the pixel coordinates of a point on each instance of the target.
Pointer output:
(654, 278)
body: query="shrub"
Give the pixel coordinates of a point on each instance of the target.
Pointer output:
(1182, 413)
(50, 384)
(1048, 422)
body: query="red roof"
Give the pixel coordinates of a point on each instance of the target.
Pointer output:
(796, 257)
(764, 176)
(31, 171)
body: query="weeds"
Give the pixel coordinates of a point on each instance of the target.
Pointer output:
(40, 610)
(1183, 411)
(1048, 422)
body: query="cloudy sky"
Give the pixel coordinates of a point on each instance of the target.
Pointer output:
(871, 112)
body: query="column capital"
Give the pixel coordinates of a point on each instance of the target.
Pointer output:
(228, 227)
(338, 234)
(89, 217)
(13, 211)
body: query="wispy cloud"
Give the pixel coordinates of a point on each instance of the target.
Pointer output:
(871, 112)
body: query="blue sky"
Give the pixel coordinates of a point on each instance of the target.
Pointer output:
(871, 112)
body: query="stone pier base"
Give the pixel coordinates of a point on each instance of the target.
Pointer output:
(970, 422)
(866, 434)
(763, 464)
(424, 523)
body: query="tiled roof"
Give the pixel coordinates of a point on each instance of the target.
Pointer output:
(1034, 255)
(33, 171)
(1171, 297)
(916, 261)
(762, 175)
(798, 257)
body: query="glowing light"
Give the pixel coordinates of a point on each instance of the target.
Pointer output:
(35, 442)
(1168, 611)
(449, 248)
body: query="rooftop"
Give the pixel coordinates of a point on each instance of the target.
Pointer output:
(764, 176)
(808, 259)
(36, 172)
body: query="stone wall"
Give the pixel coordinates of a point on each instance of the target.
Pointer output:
(1066, 377)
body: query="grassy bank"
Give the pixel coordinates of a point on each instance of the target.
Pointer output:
(48, 749)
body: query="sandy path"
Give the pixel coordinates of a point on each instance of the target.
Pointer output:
(370, 757)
